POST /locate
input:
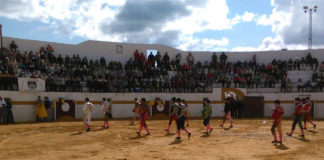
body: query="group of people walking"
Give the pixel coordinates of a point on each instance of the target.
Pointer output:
(302, 113)
(178, 112)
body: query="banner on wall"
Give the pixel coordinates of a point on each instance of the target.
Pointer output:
(31, 84)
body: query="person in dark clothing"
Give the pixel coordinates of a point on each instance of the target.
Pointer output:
(227, 111)
(10, 118)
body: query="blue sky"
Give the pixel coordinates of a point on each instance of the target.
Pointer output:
(206, 25)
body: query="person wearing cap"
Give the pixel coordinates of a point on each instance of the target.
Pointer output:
(105, 108)
(227, 111)
(277, 117)
(298, 118)
(307, 113)
(181, 118)
(173, 113)
(206, 113)
(87, 109)
(135, 110)
(143, 111)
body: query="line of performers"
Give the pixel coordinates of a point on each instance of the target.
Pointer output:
(179, 114)
(302, 113)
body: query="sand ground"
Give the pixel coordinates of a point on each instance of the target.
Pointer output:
(249, 139)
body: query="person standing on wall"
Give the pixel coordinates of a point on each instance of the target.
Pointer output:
(87, 109)
(307, 113)
(298, 118)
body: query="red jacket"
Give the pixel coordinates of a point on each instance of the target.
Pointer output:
(277, 113)
(307, 107)
(298, 109)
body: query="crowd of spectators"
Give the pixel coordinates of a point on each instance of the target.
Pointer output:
(154, 73)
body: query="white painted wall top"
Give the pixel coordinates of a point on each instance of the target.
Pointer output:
(96, 49)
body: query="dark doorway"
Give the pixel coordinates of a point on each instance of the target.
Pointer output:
(253, 106)
(65, 111)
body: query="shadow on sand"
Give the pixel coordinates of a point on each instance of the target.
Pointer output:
(138, 137)
(169, 134)
(176, 142)
(281, 146)
(82, 132)
(205, 135)
(303, 139)
(311, 131)
(227, 129)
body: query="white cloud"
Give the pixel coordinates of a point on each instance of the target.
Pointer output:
(290, 25)
(205, 44)
(84, 18)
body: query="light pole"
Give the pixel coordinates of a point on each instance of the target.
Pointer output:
(310, 34)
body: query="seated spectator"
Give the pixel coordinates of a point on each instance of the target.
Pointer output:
(300, 85)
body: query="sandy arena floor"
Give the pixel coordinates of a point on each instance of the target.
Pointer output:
(249, 139)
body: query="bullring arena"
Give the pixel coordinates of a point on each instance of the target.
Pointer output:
(63, 136)
(248, 139)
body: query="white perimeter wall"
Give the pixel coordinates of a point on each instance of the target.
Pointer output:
(289, 108)
(96, 49)
(25, 113)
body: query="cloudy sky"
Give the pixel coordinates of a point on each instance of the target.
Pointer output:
(195, 25)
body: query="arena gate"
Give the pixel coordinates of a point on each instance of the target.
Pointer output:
(253, 106)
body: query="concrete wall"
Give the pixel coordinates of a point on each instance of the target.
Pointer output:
(25, 112)
(289, 106)
(96, 49)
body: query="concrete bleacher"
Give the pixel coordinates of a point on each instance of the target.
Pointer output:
(304, 75)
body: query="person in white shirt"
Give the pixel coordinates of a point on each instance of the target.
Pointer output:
(87, 109)
(106, 109)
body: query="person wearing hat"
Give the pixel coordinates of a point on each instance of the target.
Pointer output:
(206, 113)
(227, 111)
(181, 118)
(298, 118)
(173, 113)
(105, 108)
(87, 109)
(277, 117)
(143, 111)
(307, 113)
